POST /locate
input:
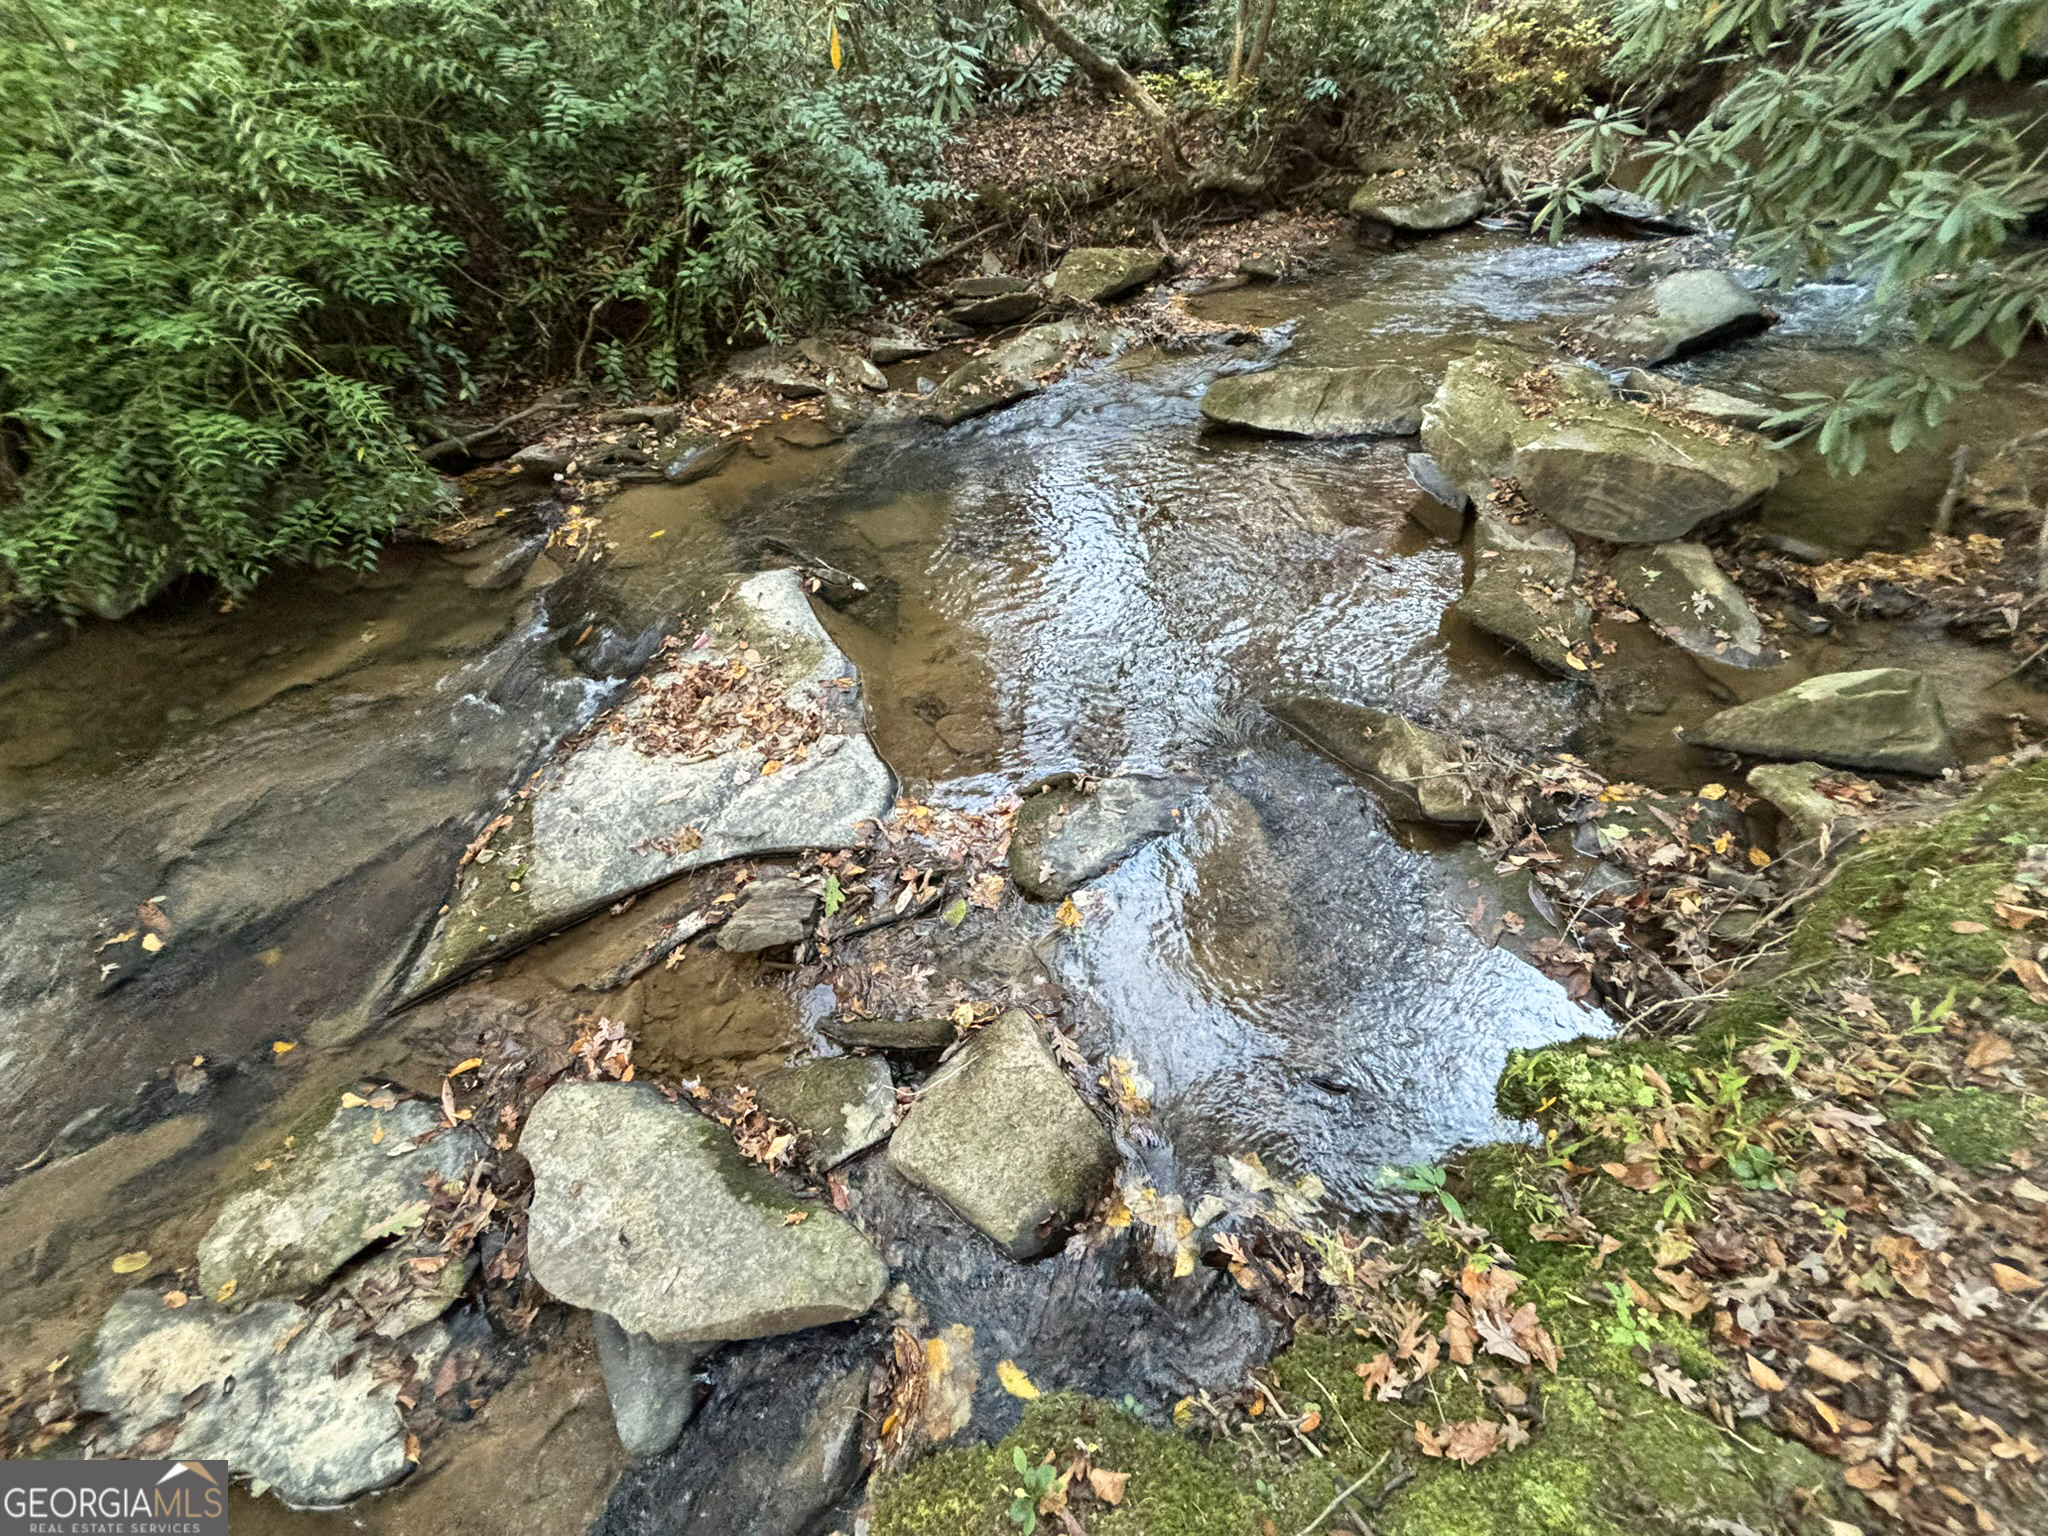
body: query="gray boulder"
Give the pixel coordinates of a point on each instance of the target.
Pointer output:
(1521, 592)
(1000, 1135)
(1384, 401)
(1414, 206)
(697, 456)
(1687, 598)
(1008, 374)
(652, 1385)
(1620, 474)
(841, 365)
(1698, 400)
(842, 1104)
(1419, 773)
(284, 1399)
(342, 1189)
(1683, 313)
(898, 349)
(1473, 424)
(1449, 501)
(1066, 836)
(538, 461)
(774, 914)
(624, 809)
(649, 1213)
(1092, 274)
(1887, 719)
(1809, 815)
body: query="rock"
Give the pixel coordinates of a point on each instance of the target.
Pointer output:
(652, 1385)
(322, 1207)
(1887, 719)
(407, 1287)
(647, 1212)
(842, 364)
(969, 735)
(773, 914)
(770, 367)
(1000, 1135)
(910, 1036)
(1064, 837)
(1521, 592)
(842, 1104)
(286, 1400)
(1687, 599)
(538, 461)
(1809, 815)
(1382, 401)
(841, 413)
(1008, 374)
(990, 285)
(1412, 206)
(1683, 313)
(1003, 308)
(1651, 820)
(1640, 213)
(506, 568)
(898, 349)
(620, 811)
(663, 418)
(1620, 474)
(1419, 772)
(1696, 400)
(1472, 425)
(1430, 479)
(696, 456)
(1092, 274)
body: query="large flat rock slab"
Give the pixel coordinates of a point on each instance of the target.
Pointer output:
(1068, 835)
(1382, 401)
(1000, 1135)
(1094, 274)
(1626, 476)
(341, 1190)
(646, 1211)
(1420, 774)
(1689, 600)
(297, 1406)
(1011, 372)
(753, 743)
(1887, 719)
(1522, 592)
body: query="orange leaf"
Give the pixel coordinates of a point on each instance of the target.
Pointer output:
(1767, 1380)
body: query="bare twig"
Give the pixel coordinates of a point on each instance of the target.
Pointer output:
(1330, 1508)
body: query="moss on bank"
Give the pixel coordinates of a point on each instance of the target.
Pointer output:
(1608, 1453)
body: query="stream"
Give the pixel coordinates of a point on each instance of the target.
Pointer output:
(278, 792)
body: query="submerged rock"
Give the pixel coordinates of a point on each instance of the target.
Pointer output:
(1418, 772)
(696, 456)
(1092, 274)
(1414, 206)
(297, 1406)
(1383, 401)
(652, 1385)
(649, 1213)
(1066, 836)
(1625, 476)
(773, 914)
(1683, 313)
(637, 800)
(910, 1036)
(1887, 719)
(1521, 592)
(364, 1169)
(1000, 1135)
(842, 1105)
(1687, 598)
(1008, 374)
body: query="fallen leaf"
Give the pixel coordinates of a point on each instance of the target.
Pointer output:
(175, 1299)
(226, 1290)
(1832, 1365)
(1966, 926)
(1014, 1381)
(129, 1263)
(795, 1218)
(404, 1219)
(1107, 1486)
(1767, 1380)
(2008, 1279)
(469, 1065)
(1866, 1475)
(279, 1047)
(1987, 1050)
(1311, 1421)
(1069, 915)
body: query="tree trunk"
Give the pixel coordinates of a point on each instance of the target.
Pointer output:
(1257, 61)
(1109, 75)
(1237, 43)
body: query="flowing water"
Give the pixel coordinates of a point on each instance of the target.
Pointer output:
(1084, 581)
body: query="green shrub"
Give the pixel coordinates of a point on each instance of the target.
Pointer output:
(1534, 58)
(242, 241)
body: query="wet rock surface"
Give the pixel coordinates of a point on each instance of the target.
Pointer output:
(652, 1385)
(842, 1105)
(364, 1169)
(1683, 313)
(1092, 274)
(1888, 719)
(1068, 835)
(647, 1212)
(1522, 594)
(1321, 402)
(1793, 791)
(1685, 595)
(1012, 372)
(1402, 203)
(1420, 773)
(1000, 1135)
(622, 809)
(285, 1400)
(1630, 478)
(773, 914)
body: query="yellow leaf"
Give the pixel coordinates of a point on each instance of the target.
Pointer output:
(227, 1289)
(1758, 859)
(1014, 1381)
(773, 765)
(1069, 915)
(2008, 1279)
(1767, 1380)
(1713, 791)
(353, 1101)
(279, 1047)
(129, 1263)
(468, 1065)
(837, 57)
(151, 943)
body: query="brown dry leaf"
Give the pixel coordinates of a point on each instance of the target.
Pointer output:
(1964, 925)
(1106, 1485)
(1639, 1176)
(1987, 1050)
(1831, 1365)
(1311, 1421)
(2027, 971)
(175, 1299)
(1469, 1441)
(2008, 1279)
(1924, 1374)
(1766, 1379)
(1866, 1475)
(1460, 1336)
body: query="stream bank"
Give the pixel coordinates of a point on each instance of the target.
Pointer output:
(1265, 991)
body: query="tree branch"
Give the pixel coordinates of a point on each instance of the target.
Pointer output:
(1108, 75)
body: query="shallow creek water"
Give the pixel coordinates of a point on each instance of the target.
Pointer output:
(1083, 581)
